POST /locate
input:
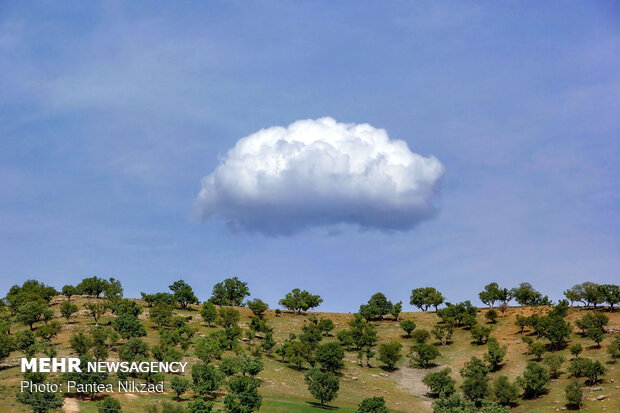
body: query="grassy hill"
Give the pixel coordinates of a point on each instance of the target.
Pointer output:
(283, 388)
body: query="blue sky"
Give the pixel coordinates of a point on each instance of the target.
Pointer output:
(112, 113)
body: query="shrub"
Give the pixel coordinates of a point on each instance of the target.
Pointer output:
(576, 349)
(475, 381)
(389, 353)
(536, 348)
(505, 393)
(453, 404)
(408, 326)
(423, 354)
(492, 316)
(179, 385)
(323, 386)
(421, 336)
(554, 364)
(574, 394)
(480, 334)
(109, 405)
(495, 354)
(534, 380)
(372, 405)
(330, 356)
(440, 383)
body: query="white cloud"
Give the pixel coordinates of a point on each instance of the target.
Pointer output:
(281, 180)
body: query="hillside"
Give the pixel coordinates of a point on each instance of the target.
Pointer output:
(283, 388)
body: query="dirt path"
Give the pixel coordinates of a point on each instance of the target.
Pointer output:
(70, 405)
(410, 380)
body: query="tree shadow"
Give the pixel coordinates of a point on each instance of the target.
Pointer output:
(318, 405)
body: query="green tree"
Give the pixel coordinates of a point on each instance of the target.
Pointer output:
(41, 402)
(298, 300)
(109, 405)
(460, 314)
(196, 406)
(440, 383)
(258, 307)
(574, 395)
(504, 392)
(554, 364)
(521, 322)
(423, 298)
(208, 312)
(613, 349)
(243, 396)
(29, 291)
(311, 334)
(592, 320)
(330, 356)
(578, 366)
(31, 312)
(161, 314)
(420, 336)
(67, 309)
(396, 310)
(69, 291)
(408, 326)
(534, 380)
(230, 366)
(91, 286)
(379, 306)
(49, 331)
(8, 344)
(183, 293)
(326, 325)
(492, 316)
(206, 378)
(495, 354)
(576, 349)
(389, 353)
(133, 349)
(556, 330)
(228, 317)
(595, 334)
(593, 370)
(80, 343)
(610, 294)
(372, 405)
(536, 348)
(113, 288)
(453, 404)
(423, 354)
(480, 334)
(490, 294)
(592, 293)
(251, 366)
(475, 382)
(96, 310)
(525, 294)
(323, 386)
(27, 343)
(128, 326)
(179, 385)
(573, 294)
(231, 291)
(298, 352)
(208, 348)
(443, 333)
